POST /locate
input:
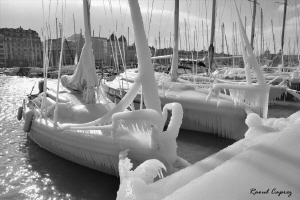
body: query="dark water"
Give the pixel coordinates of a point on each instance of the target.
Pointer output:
(30, 172)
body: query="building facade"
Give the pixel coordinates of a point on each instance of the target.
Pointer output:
(132, 57)
(22, 48)
(2, 55)
(116, 50)
(100, 51)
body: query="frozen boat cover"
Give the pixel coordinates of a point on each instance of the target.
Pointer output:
(85, 73)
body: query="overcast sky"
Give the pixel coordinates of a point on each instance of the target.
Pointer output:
(114, 16)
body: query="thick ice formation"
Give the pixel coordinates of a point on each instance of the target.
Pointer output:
(141, 131)
(267, 160)
(145, 77)
(206, 108)
(85, 76)
(139, 178)
(253, 95)
(263, 165)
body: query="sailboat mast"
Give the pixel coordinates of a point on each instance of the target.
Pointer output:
(175, 48)
(56, 57)
(212, 34)
(100, 47)
(283, 29)
(222, 38)
(203, 36)
(159, 40)
(261, 36)
(76, 52)
(227, 46)
(273, 37)
(253, 23)
(246, 24)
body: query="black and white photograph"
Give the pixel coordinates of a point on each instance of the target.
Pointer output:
(149, 99)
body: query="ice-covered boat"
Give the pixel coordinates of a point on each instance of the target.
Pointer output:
(73, 126)
(263, 165)
(207, 107)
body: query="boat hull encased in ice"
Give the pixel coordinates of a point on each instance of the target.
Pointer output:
(99, 149)
(217, 116)
(93, 150)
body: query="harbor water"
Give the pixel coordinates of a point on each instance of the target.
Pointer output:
(30, 172)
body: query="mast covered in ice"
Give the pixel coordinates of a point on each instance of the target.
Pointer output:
(146, 71)
(250, 94)
(84, 78)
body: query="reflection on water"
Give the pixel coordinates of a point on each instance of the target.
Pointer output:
(30, 172)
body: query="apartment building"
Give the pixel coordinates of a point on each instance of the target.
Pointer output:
(21, 47)
(2, 54)
(100, 50)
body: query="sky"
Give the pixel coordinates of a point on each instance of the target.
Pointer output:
(108, 16)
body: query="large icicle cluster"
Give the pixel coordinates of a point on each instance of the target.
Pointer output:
(257, 95)
(268, 155)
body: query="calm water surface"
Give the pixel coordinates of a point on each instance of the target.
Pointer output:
(30, 172)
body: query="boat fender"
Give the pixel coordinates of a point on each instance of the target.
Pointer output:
(20, 113)
(41, 86)
(28, 119)
(23, 113)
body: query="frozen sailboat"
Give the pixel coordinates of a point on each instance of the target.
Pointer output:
(206, 107)
(268, 155)
(93, 134)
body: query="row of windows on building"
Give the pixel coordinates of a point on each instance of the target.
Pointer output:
(20, 46)
(106, 51)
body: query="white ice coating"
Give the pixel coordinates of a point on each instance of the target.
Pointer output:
(207, 109)
(141, 131)
(253, 95)
(139, 178)
(145, 76)
(146, 71)
(85, 76)
(267, 159)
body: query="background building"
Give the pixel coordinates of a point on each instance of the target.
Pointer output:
(132, 57)
(21, 47)
(100, 51)
(116, 50)
(2, 55)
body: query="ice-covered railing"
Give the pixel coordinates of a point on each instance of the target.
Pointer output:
(38, 112)
(138, 122)
(253, 95)
(166, 86)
